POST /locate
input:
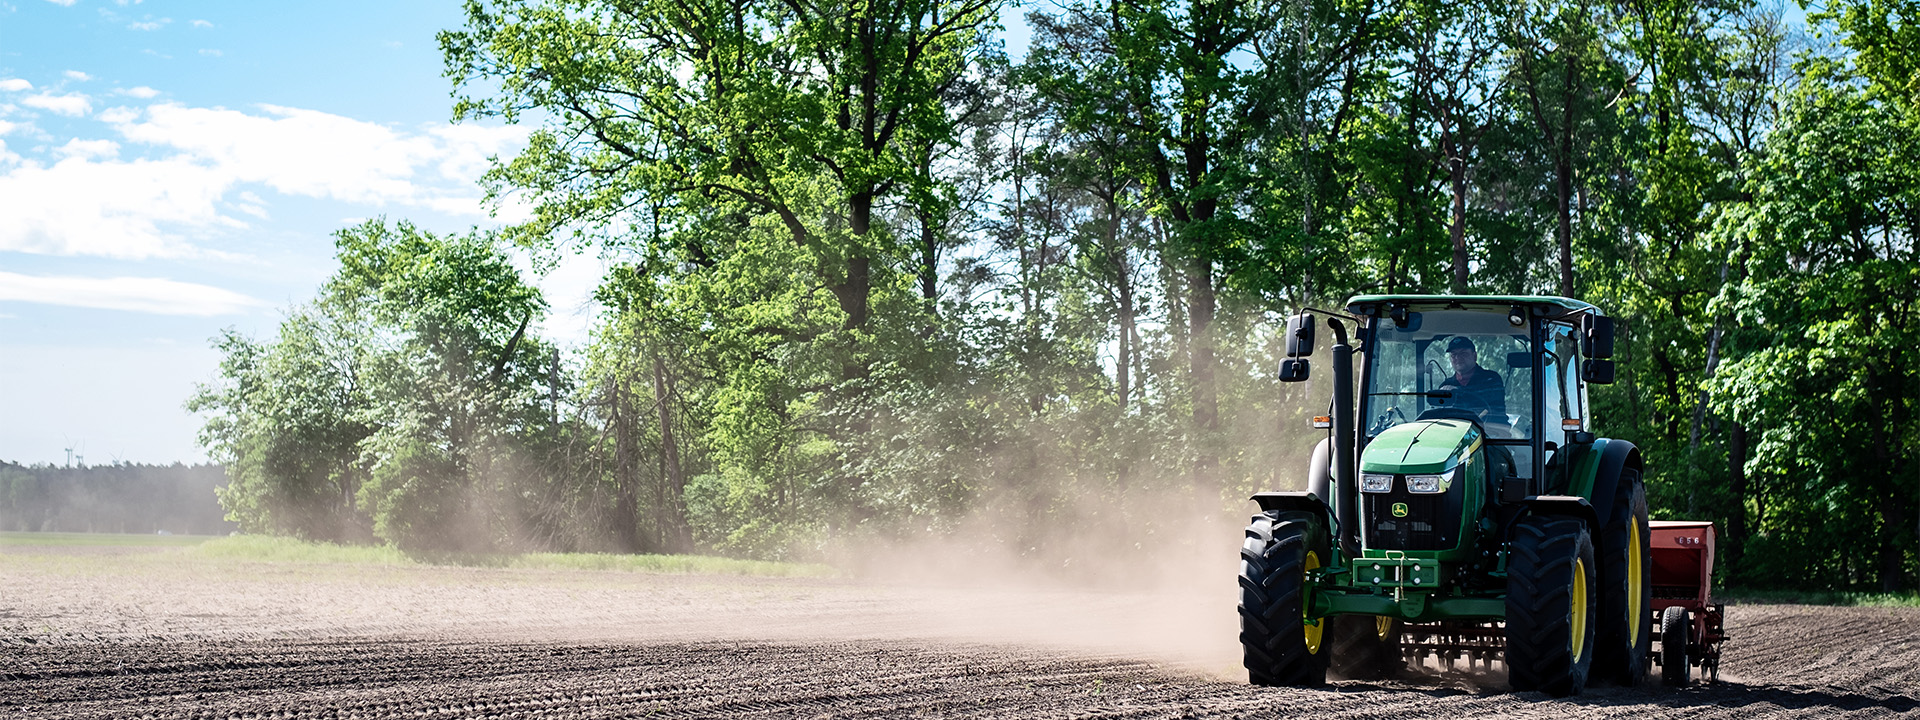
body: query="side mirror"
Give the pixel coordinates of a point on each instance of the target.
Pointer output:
(1293, 370)
(1599, 332)
(1598, 372)
(1300, 336)
(1518, 360)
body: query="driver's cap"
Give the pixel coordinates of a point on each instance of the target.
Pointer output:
(1460, 342)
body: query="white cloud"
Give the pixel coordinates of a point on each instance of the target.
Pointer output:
(149, 24)
(15, 85)
(211, 52)
(81, 206)
(201, 24)
(143, 92)
(119, 115)
(77, 75)
(201, 168)
(469, 146)
(149, 295)
(66, 3)
(6, 127)
(297, 152)
(89, 149)
(73, 105)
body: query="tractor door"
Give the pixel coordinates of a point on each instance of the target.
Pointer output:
(1564, 401)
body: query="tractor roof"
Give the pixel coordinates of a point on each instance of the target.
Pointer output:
(1568, 305)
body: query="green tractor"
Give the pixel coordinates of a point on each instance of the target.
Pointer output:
(1462, 511)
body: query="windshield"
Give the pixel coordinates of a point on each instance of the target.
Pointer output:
(1464, 364)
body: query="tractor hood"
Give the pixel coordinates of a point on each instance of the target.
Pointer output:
(1421, 447)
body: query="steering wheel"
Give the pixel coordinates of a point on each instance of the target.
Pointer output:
(1380, 424)
(1450, 413)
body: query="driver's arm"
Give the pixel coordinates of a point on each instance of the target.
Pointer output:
(1496, 396)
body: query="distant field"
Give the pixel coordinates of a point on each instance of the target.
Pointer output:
(280, 550)
(101, 539)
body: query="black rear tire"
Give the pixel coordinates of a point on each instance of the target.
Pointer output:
(1551, 605)
(1625, 632)
(1675, 669)
(1273, 630)
(1360, 649)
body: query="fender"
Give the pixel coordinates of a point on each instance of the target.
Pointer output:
(1320, 469)
(1294, 502)
(1617, 456)
(1569, 505)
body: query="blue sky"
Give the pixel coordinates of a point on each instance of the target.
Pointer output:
(170, 168)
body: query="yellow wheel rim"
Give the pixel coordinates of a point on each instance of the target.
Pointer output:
(1579, 608)
(1315, 628)
(1383, 625)
(1636, 612)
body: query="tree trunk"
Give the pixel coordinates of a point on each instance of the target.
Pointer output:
(1737, 483)
(1563, 174)
(929, 262)
(1206, 403)
(1123, 361)
(856, 287)
(626, 501)
(669, 518)
(1457, 173)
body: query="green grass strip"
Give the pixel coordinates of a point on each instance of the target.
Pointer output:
(264, 548)
(101, 539)
(260, 548)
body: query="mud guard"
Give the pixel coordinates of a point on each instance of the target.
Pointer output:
(1565, 505)
(1618, 456)
(1295, 502)
(1320, 469)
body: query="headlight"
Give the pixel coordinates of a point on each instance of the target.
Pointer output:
(1376, 483)
(1428, 484)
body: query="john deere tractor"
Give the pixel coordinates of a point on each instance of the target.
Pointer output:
(1460, 508)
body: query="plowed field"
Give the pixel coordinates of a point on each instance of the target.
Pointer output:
(156, 634)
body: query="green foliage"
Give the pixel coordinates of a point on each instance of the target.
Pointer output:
(392, 404)
(1826, 367)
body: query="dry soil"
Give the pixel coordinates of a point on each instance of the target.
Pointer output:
(165, 634)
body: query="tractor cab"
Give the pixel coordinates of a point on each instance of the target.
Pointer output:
(1510, 366)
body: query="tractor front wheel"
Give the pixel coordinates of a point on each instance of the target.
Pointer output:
(1675, 669)
(1625, 640)
(1551, 605)
(1281, 646)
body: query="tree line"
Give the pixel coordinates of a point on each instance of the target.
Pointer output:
(117, 498)
(877, 278)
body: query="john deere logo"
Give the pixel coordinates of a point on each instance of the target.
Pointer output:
(1399, 509)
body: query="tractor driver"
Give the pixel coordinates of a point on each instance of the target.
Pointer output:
(1475, 389)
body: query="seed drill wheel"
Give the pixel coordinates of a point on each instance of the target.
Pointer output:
(1624, 640)
(1551, 605)
(1364, 647)
(1675, 623)
(1281, 646)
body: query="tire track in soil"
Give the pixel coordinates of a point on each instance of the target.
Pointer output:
(1818, 662)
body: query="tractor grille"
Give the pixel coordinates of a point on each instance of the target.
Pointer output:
(1432, 521)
